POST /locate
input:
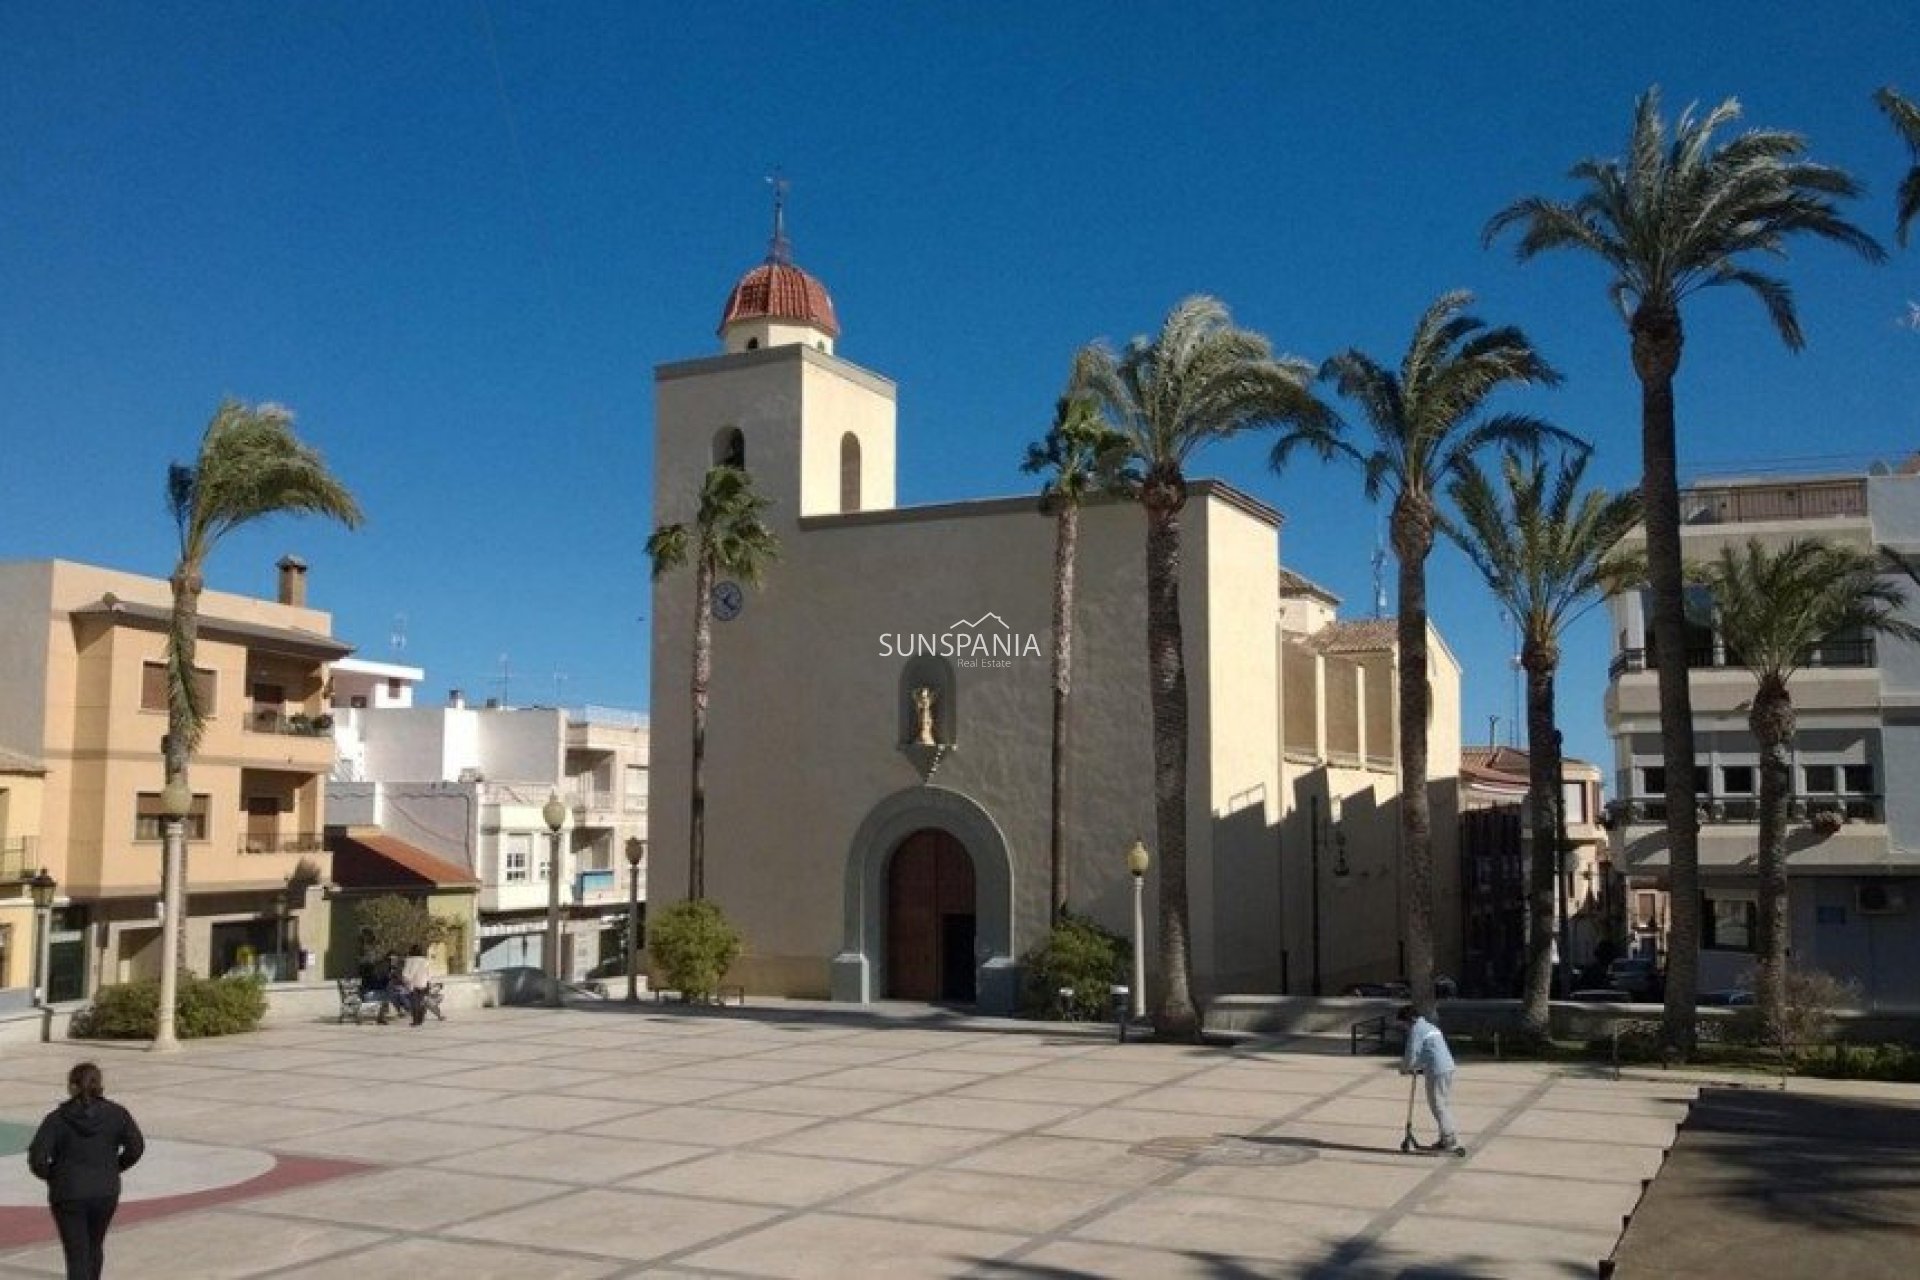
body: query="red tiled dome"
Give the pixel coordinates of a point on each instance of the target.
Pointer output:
(781, 291)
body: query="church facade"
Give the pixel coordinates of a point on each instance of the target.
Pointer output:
(878, 786)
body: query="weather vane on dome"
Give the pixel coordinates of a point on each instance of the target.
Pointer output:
(779, 250)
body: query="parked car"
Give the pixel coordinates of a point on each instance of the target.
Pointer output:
(1444, 988)
(1733, 997)
(1638, 977)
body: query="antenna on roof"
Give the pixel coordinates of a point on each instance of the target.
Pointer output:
(506, 675)
(778, 249)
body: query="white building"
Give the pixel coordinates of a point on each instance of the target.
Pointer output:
(468, 784)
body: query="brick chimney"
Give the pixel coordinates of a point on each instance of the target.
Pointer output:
(293, 581)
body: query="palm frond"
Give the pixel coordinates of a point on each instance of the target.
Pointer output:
(1906, 121)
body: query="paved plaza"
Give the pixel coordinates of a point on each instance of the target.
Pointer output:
(617, 1140)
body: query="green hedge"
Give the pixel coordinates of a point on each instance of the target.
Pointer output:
(206, 1007)
(692, 945)
(1077, 954)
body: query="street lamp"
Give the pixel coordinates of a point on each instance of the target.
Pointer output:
(636, 851)
(554, 813)
(176, 802)
(1137, 865)
(41, 887)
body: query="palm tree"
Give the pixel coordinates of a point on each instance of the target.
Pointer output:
(728, 537)
(1773, 608)
(1080, 456)
(1426, 428)
(1906, 119)
(1549, 553)
(1200, 380)
(1672, 218)
(251, 465)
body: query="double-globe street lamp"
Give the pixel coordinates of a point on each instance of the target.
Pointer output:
(554, 813)
(42, 888)
(636, 853)
(176, 802)
(1137, 861)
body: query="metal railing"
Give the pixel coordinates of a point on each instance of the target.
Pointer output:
(1738, 810)
(1740, 504)
(301, 842)
(19, 857)
(1829, 653)
(296, 725)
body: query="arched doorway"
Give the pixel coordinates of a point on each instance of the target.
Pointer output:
(930, 919)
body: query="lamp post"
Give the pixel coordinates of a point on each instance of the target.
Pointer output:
(554, 814)
(1137, 861)
(636, 851)
(176, 802)
(42, 887)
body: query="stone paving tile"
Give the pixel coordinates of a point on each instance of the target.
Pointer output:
(1074, 1259)
(203, 1246)
(1220, 1104)
(1508, 1197)
(707, 1125)
(469, 1261)
(1032, 1088)
(1095, 1163)
(1548, 1157)
(248, 1124)
(1182, 1221)
(1117, 1070)
(822, 1246)
(807, 1100)
(765, 1177)
(498, 1054)
(1592, 1126)
(555, 1111)
(989, 1201)
(893, 1078)
(618, 1224)
(974, 1113)
(1130, 1125)
(906, 1144)
(404, 1140)
(654, 1089)
(1346, 1184)
(746, 1070)
(570, 1157)
(972, 1064)
(1495, 1249)
(521, 1078)
(846, 1054)
(412, 1199)
(1382, 1114)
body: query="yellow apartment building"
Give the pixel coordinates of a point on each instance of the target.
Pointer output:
(83, 699)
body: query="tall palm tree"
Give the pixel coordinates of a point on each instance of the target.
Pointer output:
(1549, 553)
(1670, 219)
(1080, 456)
(728, 536)
(1773, 608)
(1906, 119)
(1426, 425)
(1201, 379)
(250, 465)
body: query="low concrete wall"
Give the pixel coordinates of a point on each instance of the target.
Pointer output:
(311, 1001)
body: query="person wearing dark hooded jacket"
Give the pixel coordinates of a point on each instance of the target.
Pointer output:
(82, 1148)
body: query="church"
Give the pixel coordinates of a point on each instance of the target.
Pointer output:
(877, 757)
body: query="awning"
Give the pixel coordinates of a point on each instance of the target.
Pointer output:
(368, 858)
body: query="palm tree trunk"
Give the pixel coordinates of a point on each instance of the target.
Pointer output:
(1543, 872)
(1772, 722)
(1174, 1017)
(177, 750)
(1412, 541)
(702, 675)
(1066, 540)
(1657, 341)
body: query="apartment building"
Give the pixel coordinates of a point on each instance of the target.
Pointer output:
(1853, 841)
(20, 783)
(83, 700)
(467, 785)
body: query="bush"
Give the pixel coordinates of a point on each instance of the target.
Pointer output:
(1866, 1062)
(1081, 955)
(1807, 1021)
(206, 1007)
(692, 945)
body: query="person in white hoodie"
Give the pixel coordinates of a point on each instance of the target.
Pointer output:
(1427, 1054)
(417, 974)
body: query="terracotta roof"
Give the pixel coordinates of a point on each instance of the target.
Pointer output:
(14, 762)
(368, 858)
(1296, 584)
(1504, 765)
(1369, 635)
(781, 291)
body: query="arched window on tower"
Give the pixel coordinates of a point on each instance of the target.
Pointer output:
(729, 448)
(849, 472)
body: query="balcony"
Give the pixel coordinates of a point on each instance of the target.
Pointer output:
(19, 857)
(1739, 810)
(600, 802)
(1758, 503)
(302, 842)
(1830, 653)
(296, 725)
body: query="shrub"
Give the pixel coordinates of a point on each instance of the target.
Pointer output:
(1807, 1020)
(206, 1007)
(1081, 955)
(1867, 1062)
(692, 945)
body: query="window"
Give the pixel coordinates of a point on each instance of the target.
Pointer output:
(1645, 910)
(148, 818)
(1736, 780)
(729, 448)
(519, 852)
(849, 472)
(636, 788)
(393, 686)
(153, 686)
(1857, 779)
(1574, 799)
(1730, 924)
(1654, 780)
(358, 701)
(1820, 779)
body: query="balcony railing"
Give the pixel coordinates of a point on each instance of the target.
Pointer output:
(297, 725)
(1830, 653)
(19, 857)
(1740, 504)
(302, 842)
(592, 799)
(1739, 810)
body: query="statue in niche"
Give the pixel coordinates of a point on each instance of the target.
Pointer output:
(923, 716)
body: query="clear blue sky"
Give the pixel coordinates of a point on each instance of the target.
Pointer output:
(457, 237)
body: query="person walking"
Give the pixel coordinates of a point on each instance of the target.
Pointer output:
(80, 1151)
(1427, 1054)
(417, 974)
